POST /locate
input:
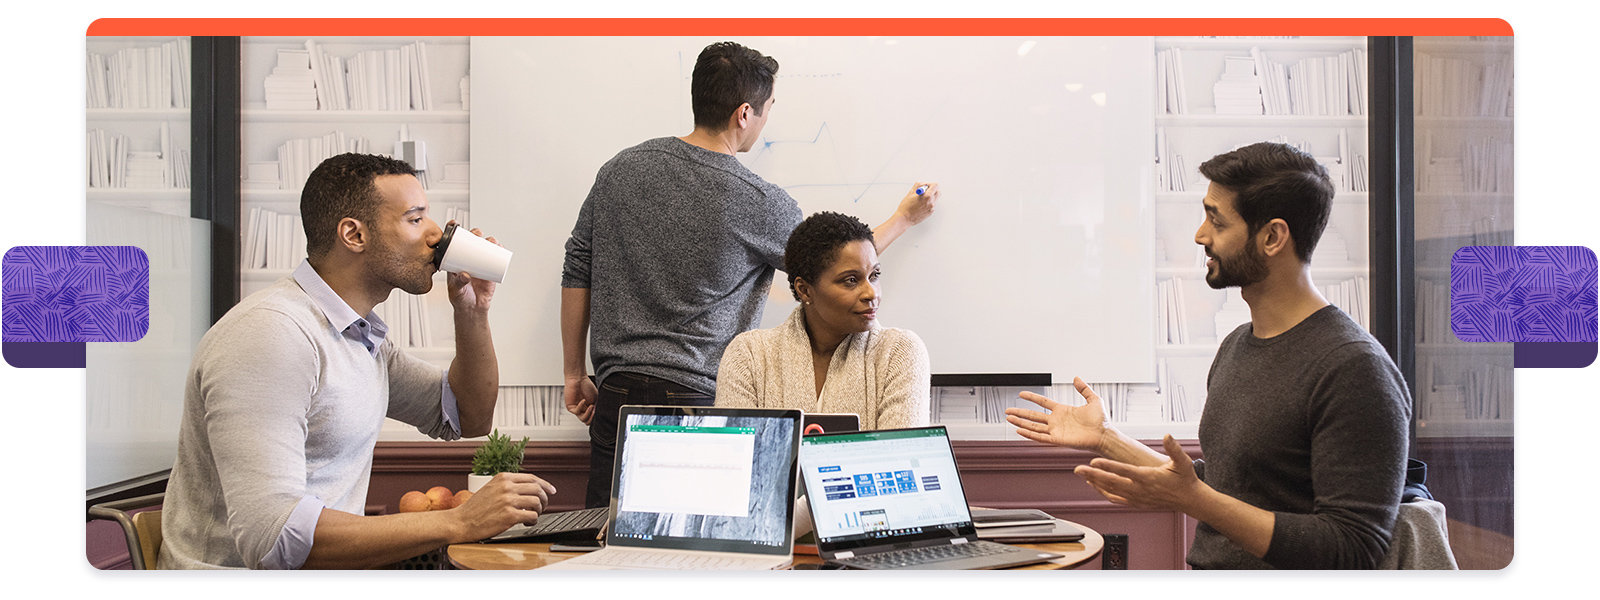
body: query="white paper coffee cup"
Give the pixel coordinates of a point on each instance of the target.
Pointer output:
(462, 252)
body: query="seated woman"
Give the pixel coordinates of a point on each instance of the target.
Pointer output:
(831, 356)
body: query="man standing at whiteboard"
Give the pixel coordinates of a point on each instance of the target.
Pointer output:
(1305, 428)
(673, 254)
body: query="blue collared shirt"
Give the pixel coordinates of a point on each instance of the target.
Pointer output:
(294, 542)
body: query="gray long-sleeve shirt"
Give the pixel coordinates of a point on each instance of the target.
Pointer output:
(283, 405)
(1312, 425)
(677, 245)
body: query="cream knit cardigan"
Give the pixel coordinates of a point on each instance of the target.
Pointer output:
(882, 374)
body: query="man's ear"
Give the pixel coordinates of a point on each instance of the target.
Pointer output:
(353, 235)
(1275, 238)
(741, 116)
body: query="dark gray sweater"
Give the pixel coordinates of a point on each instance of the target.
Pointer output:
(677, 245)
(1311, 425)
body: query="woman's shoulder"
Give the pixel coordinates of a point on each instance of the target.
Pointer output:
(758, 341)
(896, 340)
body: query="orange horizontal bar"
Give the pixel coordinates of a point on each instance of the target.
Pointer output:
(806, 26)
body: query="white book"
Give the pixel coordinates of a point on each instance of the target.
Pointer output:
(285, 234)
(1183, 311)
(424, 75)
(252, 233)
(266, 242)
(297, 243)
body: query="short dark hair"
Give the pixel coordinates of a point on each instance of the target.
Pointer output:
(816, 241)
(343, 186)
(725, 76)
(1276, 181)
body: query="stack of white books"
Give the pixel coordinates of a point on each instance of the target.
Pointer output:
(1497, 82)
(993, 401)
(291, 86)
(390, 79)
(107, 158)
(1170, 171)
(297, 157)
(153, 77)
(1351, 296)
(145, 170)
(1172, 400)
(274, 241)
(1460, 87)
(954, 404)
(1238, 90)
(532, 406)
(1433, 312)
(1487, 166)
(384, 79)
(327, 71)
(1354, 165)
(1170, 96)
(1172, 325)
(1328, 85)
(407, 317)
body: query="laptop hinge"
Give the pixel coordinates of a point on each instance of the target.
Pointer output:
(959, 540)
(845, 554)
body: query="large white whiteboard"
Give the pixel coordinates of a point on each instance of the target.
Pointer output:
(1038, 260)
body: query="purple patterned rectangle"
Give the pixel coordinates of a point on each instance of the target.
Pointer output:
(74, 294)
(1523, 294)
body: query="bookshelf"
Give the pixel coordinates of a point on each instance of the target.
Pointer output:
(137, 123)
(1464, 197)
(1216, 94)
(305, 99)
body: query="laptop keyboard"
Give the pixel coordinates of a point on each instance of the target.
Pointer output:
(574, 520)
(672, 560)
(591, 518)
(929, 554)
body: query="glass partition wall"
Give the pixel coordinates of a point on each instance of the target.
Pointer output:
(1462, 115)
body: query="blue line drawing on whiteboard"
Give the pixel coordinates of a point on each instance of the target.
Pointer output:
(766, 147)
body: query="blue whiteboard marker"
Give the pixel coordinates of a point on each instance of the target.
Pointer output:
(922, 189)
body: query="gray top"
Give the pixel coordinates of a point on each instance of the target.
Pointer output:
(281, 411)
(677, 245)
(1312, 425)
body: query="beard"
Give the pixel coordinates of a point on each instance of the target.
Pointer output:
(1244, 268)
(395, 268)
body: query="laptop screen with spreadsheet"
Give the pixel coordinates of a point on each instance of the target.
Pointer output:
(705, 478)
(881, 487)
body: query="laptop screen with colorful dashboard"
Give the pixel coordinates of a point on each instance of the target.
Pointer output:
(875, 487)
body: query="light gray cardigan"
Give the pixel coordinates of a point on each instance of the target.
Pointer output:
(881, 374)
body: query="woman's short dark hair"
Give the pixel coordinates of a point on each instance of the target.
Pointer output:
(726, 76)
(1276, 181)
(815, 243)
(343, 186)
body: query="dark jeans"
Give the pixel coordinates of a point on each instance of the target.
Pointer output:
(618, 389)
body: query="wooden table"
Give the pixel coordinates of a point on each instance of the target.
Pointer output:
(532, 556)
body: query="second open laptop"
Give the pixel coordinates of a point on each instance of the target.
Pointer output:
(892, 499)
(700, 488)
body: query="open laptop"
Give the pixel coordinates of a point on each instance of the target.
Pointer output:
(892, 499)
(700, 488)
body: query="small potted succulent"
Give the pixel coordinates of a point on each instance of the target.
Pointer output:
(497, 455)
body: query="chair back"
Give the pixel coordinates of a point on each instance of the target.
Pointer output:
(142, 529)
(1421, 538)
